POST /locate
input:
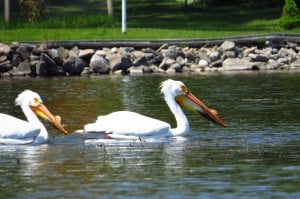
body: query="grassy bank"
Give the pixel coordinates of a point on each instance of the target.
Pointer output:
(146, 20)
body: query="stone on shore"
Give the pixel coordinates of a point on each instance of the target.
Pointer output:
(227, 45)
(37, 60)
(50, 66)
(5, 66)
(23, 69)
(99, 64)
(74, 65)
(4, 49)
(235, 64)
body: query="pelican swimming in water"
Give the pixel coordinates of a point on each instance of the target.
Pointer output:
(17, 131)
(131, 125)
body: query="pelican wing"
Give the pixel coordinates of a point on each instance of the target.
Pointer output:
(23, 141)
(14, 128)
(126, 123)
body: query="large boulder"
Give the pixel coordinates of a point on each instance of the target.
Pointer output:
(86, 53)
(233, 64)
(99, 64)
(51, 67)
(155, 60)
(4, 49)
(56, 56)
(23, 69)
(5, 66)
(63, 53)
(74, 65)
(74, 52)
(140, 61)
(172, 53)
(214, 55)
(24, 51)
(119, 62)
(227, 45)
(257, 57)
(296, 63)
(136, 70)
(39, 68)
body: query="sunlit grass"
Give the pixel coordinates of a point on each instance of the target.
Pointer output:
(37, 34)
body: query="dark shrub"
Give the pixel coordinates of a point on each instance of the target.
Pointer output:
(34, 9)
(290, 15)
(290, 8)
(288, 22)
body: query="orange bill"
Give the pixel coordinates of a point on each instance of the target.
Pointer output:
(42, 111)
(190, 101)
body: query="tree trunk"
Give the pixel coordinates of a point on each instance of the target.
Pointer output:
(6, 11)
(110, 9)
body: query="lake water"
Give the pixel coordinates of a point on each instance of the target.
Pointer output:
(257, 156)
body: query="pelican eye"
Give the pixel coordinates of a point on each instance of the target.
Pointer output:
(184, 89)
(37, 101)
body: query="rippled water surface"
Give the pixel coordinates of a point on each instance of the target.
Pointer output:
(257, 156)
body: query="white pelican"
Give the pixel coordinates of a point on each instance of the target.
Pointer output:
(131, 125)
(17, 131)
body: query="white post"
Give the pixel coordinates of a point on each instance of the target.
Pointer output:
(123, 16)
(6, 11)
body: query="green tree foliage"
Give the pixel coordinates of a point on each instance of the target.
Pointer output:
(245, 4)
(290, 9)
(34, 9)
(290, 17)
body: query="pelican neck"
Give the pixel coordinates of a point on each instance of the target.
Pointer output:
(34, 120)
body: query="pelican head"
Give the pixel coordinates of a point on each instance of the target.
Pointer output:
(176, 90)
(33, 100)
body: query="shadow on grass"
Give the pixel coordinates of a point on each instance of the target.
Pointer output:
(163, 14)
(177, 16)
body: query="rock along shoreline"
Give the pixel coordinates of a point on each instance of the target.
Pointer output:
(266, 52)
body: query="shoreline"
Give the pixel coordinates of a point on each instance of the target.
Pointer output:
(156, 43)
(212, 74)
(268, 52)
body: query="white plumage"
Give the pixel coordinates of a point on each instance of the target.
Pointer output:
(131, 125)
(32, 131)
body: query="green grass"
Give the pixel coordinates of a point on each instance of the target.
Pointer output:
(165, 19)
(37, 34)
